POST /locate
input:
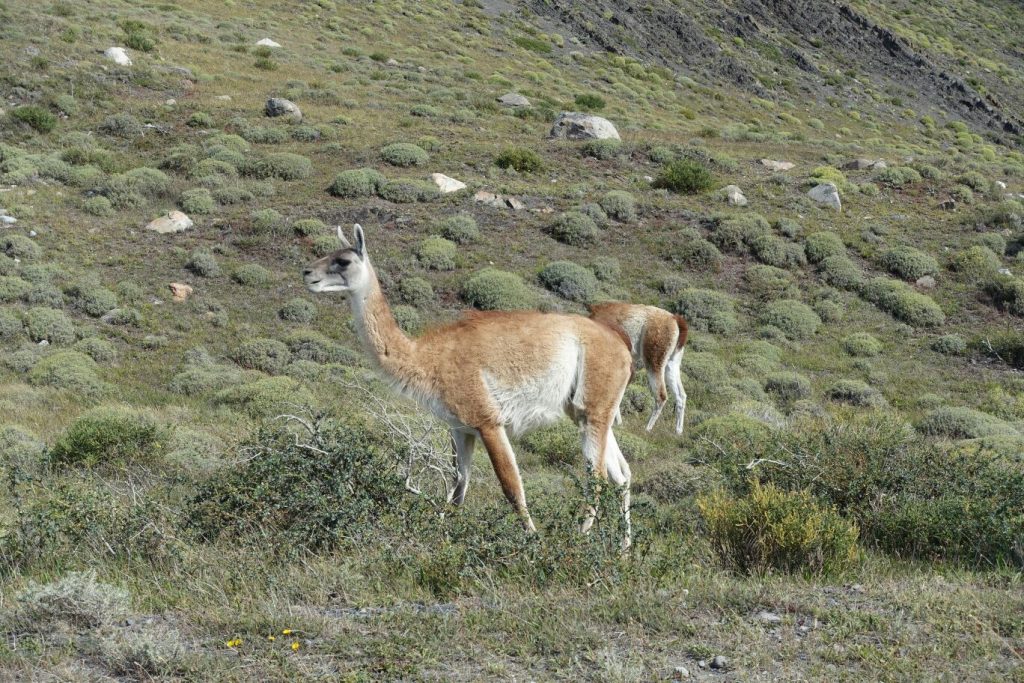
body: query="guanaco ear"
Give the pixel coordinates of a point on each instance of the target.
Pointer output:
(341, 236)
(360, 244)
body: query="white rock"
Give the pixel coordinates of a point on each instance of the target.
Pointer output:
(180, 291)
(925, 282)
(171, 102)
(649, 178)
(118, 55)
(175, 221)
(268, 42)
(447, 184)
(223, 98)
(576, 126)
(278, 106)
(391, 62)
(680, 673)
(773, 165)
(514, 99)
(1001, 184)
(1005, 271)
(44, 342)
(734, 195)
(766, 617)
(32, 233)
(827, 194)
(8, 220)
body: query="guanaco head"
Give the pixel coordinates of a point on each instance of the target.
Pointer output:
(345, 270)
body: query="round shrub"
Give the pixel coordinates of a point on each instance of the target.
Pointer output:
(976, 262)
(407, 318)
(266, 355)
(1007, 294)
(493, 289)
(787, 227)
(408, 191)
(788, 386)
(323, 245)
(706, 310)
(973, 180)
(266, 397)
(606, 268)
(861, 345)
(123, 316)
(898, 176)
(909, 263)
(313, 346)
(306, 227)
(203, 263)
(232, 194)
(197, 201)
(777, 252)
(963, 423)
(362, 182)
(21, 247)
(91, 298)
(841, 272)
(796, 320)
(736, 233)
(110, 436)
(556, 445)
(705, 368)
(404, 154)
(297, 311)
(49, 324)
(575, 229)
(854, 392)
(200, 119)
(684, 176)
(98, 206)
(604, 150)
(266, 221)
(520, 159)
(100, 350)
(692, 250)
(45, 294)
(13, 288)
(821, 245)
(437, 253)
(768, 282)
(994, 241)
(70, 370)
(570, 281)
(251, 275)
(903, 303)
(620, 205)
(38, 118)
(10, 324)
(460, 228)
(416, 291)
(280, 165)
(949, 345)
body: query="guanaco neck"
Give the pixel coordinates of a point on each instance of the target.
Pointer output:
(392, 351)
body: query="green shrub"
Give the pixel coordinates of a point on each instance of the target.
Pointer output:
(774, 530)
(777, 252)
(121, 126)
(200, 119)
(266, 221)
(909, 263)
(362, 182)
(404, 154)
(10, 325)
(962, 194)
(36, 117)
(695, 252)
(76, 600)
(575, 229)
(109, 436)
(265, 355)
(197, 201)
(898, 176)
(13, 289)
(252, 275)
(1007, 294)
(855, 392)
(704, 367)
(21, 247)
(903, 303)
(736, 233)
(297, 311)
(796, 320)
(1007, 347)
(861, 345)
(828, 174)
(266, 397)
(307, 227)
(492, 289)
(520, 159)
(460, 228)
(570, 281)
(45, 294)
(232, 194)
(994, 241)
(557, 445)
(89, 297)
(841, 272)
(606, 268)
(975, 263)
(788, 386)
(706, 310)
(821, 245)
(963, 423)
(437, 253)
(49, 324)
(589, 102)
(973, 180)
(203, 263)
(604, 150)
(280, 165)
(766, 283)
(416, 291)
(123, 316)
(313, 346)
(70, 370)
(619, 205)
(409, 191)
(684, 176)
(949, 345)
(100, 350)
(98, 206)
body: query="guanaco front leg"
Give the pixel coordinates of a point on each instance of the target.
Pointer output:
(503, 460)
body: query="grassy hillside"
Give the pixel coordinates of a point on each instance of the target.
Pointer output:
(847, 502)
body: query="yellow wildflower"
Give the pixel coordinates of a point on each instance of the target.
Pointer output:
(295, 646)
(234, 642)
(287, 632)
(271, 638)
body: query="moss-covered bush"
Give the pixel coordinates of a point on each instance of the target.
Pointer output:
(861, 345)
(13, 288)
(704, 367)
(98, 206)
(570, 281)
(280, 165)
(1007, 294)
(619, 205)
(49, 324)
(203, 263)
(100, 350)
(404, 154)
(767, 283)
(963, 423)
(949, 345)
(70, 370)
(309, 227)
(735, 234)
(695, 252)
(38, 118)
(493, 289)
(362, 182)
(460, 228)
(788, 386)
(409, 191)
(606, 268)
(197, 201)
(821, 245)
(121, 126)
(519, 159)
(313, 346)
(684, 176)
(706, 310)
(252, 275)
(21, 247)
(575, 229)
(110, 436)
(841, 272)
(774, 530)
(909, 263)
(977, 262)
(854, 392)
(265, 355)
(898, 176)
(557, 445)
(777, 252)
(91, 298)
(903, 303)
(266, 397)
(974, 180)
(797, 320)
(994, 241)
(605, 150)
(437, 253)
(11, 326)
(297, 311)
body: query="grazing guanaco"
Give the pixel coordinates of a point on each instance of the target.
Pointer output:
(658, 338)
(492, 374)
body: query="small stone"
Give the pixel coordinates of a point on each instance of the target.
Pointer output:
(948, 205)
(864, 165)
(223, 98)
(649, 178)
(180, 291)
(175, 221)
(447, 184)
(514, 204)
(278, 106)
(485, 197)
(32, 233)
(391, 62)
(170, 102)
(44, 342)
(828, 194)
(267, 42)
(774, 165)
(680, 673)
(8, 220)
(925, 282)
(1005, 271)
(514, 99)
(719, 662)
(766, 617)
(734, 195)
(702, 664)
(1000, 184)
(118, 55)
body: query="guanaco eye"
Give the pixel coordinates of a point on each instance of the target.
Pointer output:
(343, 264)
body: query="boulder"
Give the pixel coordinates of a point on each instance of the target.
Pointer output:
(734, 195)
(8, 220)
(864, 165)
(514, 99)
(278, 106)
(267, 42)
(118, 55)
(773, 165)
(498, 201)
(576, 126)
(827, 194)
(175, 221)
(1000, 184)
(170, 102)
(180, 291)
(948, 205)
(447, 184)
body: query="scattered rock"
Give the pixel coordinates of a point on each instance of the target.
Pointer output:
(447, 184)
(649, 178)
(514, 204)
(827, 194)
(485, 197)
(498, 201)
(680, 673)
(514, 99)
(865, 165)
(925, 282)
(703, 664)
(719, 662)
(278, 106)
(118, 55)
(773, 165)
(391, 62)
(1005, 271)
(576, 126)
(170, 102)
(8, 220)
(32, 233)
(180, 291)
(948, 205)
(1000, 184)
(43, 342)
(734, 195)
(267, 42)
(766, 617)
(175, 221)
(223, 98)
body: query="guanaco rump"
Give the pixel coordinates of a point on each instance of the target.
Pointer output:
(493, 374)
(658, 339)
